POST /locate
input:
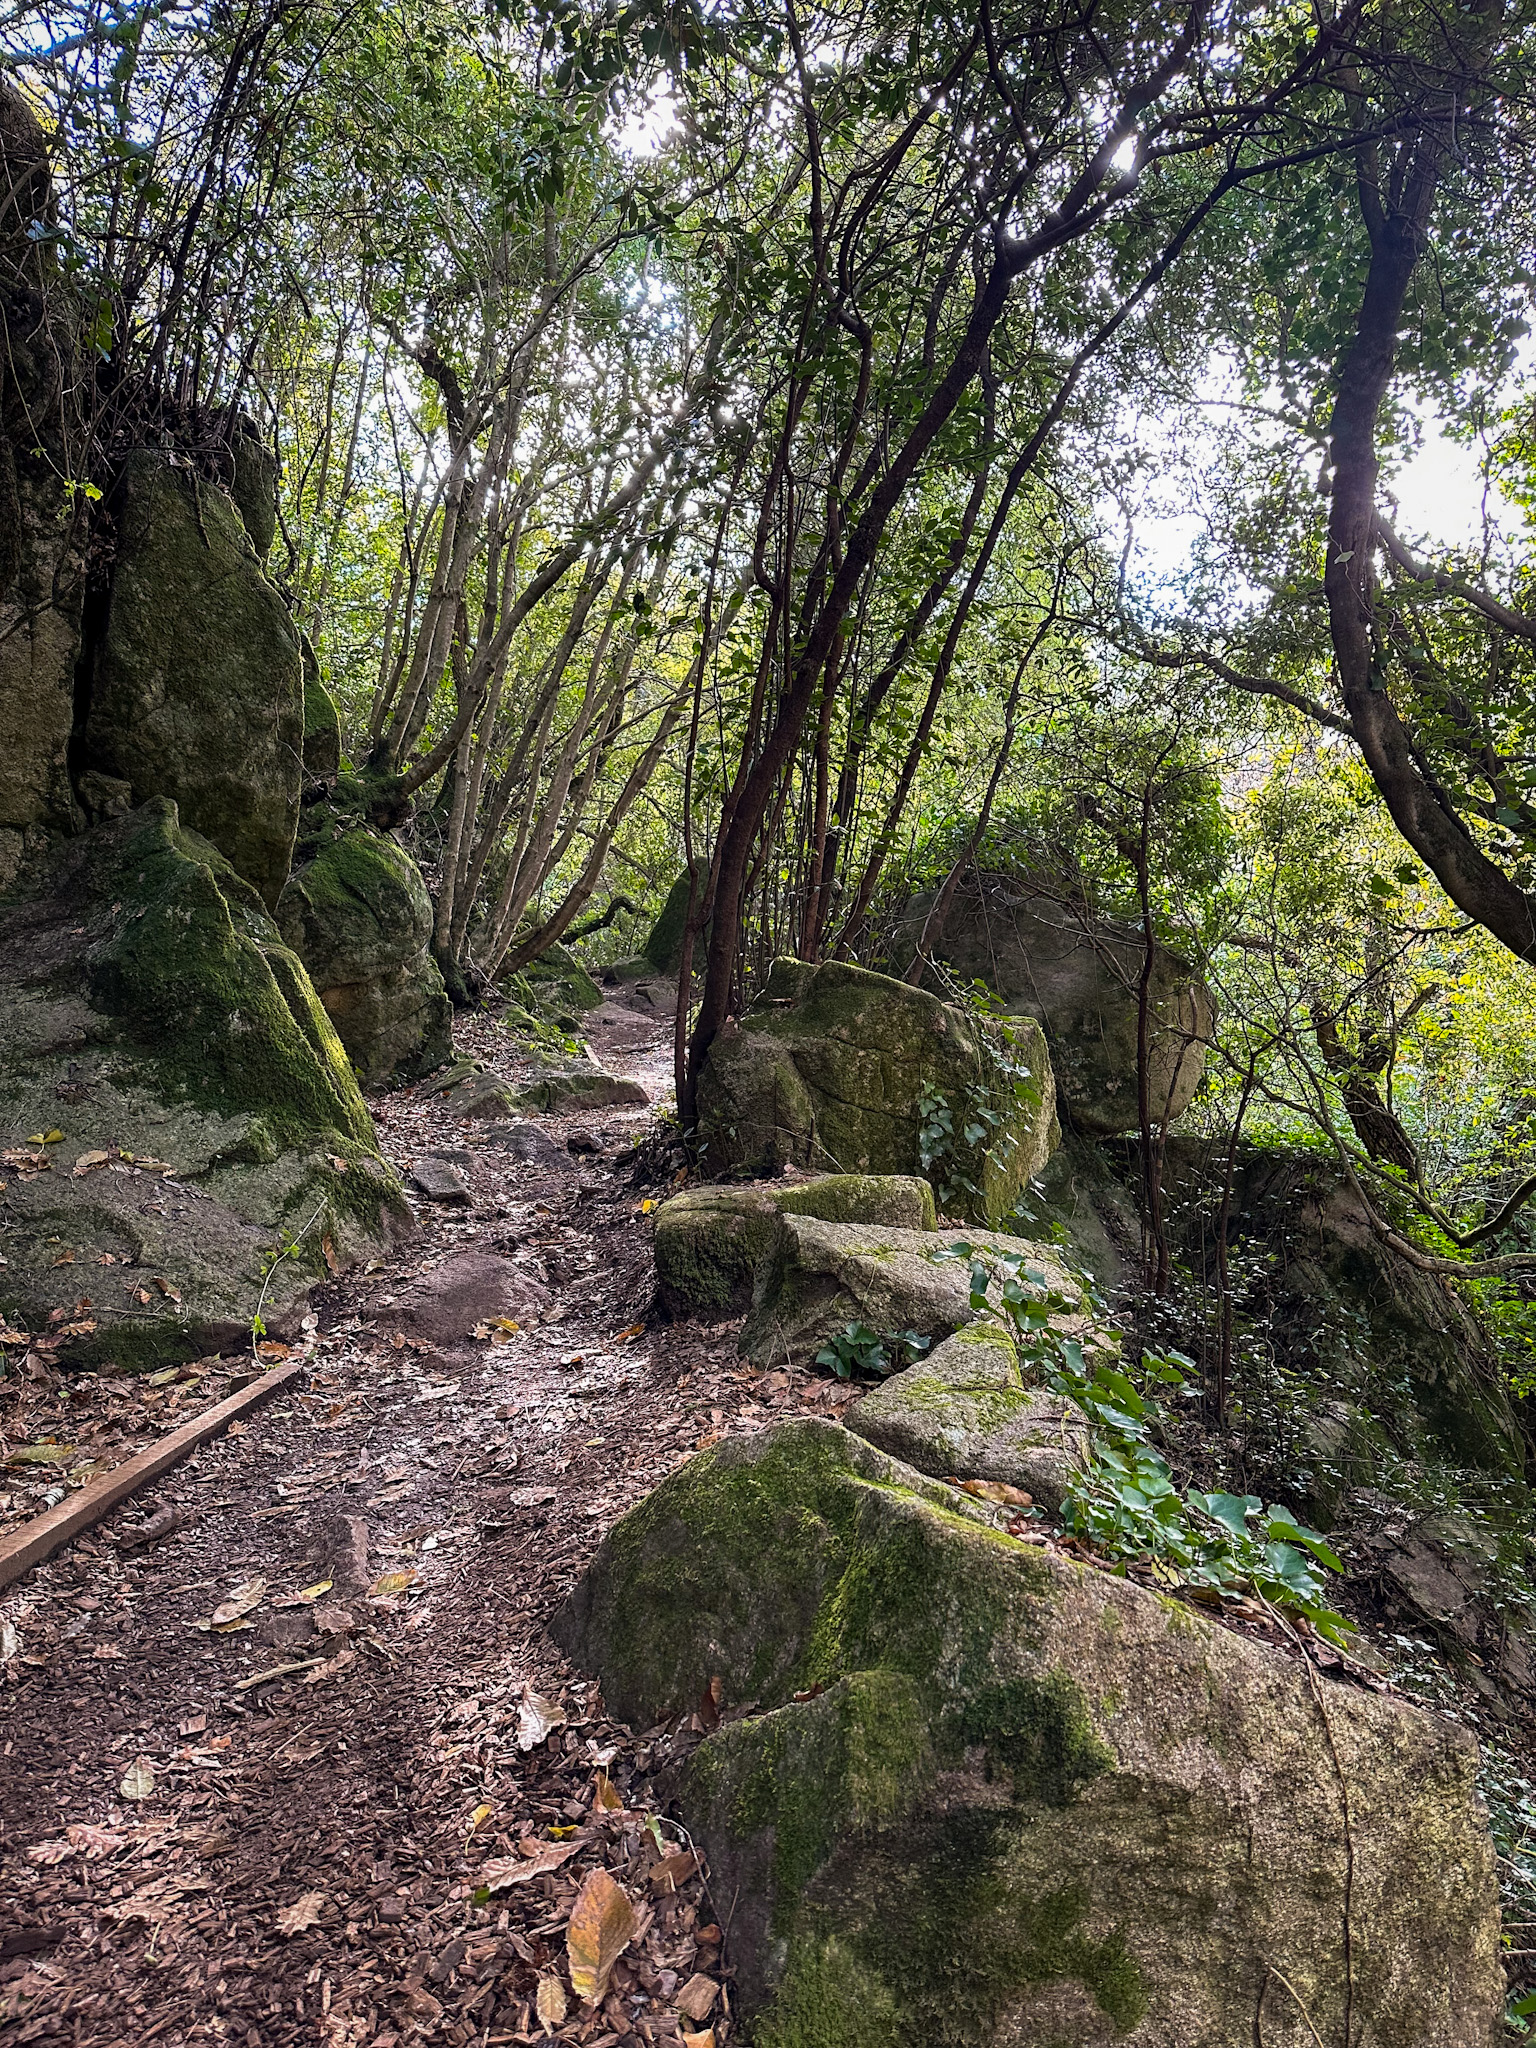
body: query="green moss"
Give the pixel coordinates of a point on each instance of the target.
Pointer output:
(322, 723)
(1040, 1732)
(226, 1016)
(899, 1199)
(664, 948)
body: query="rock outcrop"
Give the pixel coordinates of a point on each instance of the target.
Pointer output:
(983, 1794)
(42, 527)
(711, 1243)
(819, 1277)
(209, 1149)
(359, 917)
(967, 1411)
(835, 1069)
(197, 683)
(1080, 977)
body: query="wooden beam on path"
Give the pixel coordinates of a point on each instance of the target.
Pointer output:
(40, 1537)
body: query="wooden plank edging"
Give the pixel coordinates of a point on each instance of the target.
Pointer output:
(40, 1537)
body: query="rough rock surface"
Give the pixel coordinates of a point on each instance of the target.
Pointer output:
(359, 917)
(711, 1242)
(322, 721)
(42, 541)
(827, 1068)
(440, 1180)
(443, 1306)
(663, 949)
(820, 1277)
(966, 1411)
(1080, 977)
(150, 1013)
(581, 1088)
(197, 690)
(987, 1795)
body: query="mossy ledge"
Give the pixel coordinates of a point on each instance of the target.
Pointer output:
(984, 1794)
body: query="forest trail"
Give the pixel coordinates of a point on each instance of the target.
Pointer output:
(356, 1794)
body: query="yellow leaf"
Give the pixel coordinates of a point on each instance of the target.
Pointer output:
(602, 1926)
(46, 1138)
(138, 1781)
(308, 1593)
(390, 1583)
(995, 1489)
(479, 1817)
(646, 1207)
(549, 2003)
(42, 1454)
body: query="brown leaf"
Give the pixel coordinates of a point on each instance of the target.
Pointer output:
(138, 1781)
(537, 1720)
(704, 2040)
(389, 1583)
(88, 1160)
(242, 1600)
(602, 1926)
(696, 2000)
(606, 1796)
(674, 1870)
(711, 1700)
(500, 1873)
(995, 1489)
(550, 2003)
(304, 1912)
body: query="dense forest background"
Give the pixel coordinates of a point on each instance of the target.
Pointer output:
(724, 443)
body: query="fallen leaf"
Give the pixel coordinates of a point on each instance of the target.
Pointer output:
(328, 1253)
(242, 1600)
(42, 1454)
(65, 1259)
(271, 1349)
(167, 1290)
(194, 1724)
(45, 1138)
(309, 1594)
(606, 1796)
(55, 1851)
(500, 1873)
(479, 1817)
(549, 2003)
(602, 1925)
(704, 2040)
(88, 1160)
(711, 1700)
(339, 1163)
(995, 1489)
(304, 1912)
(697, 1998)
(390, 1583)
(537, 1720)
(674, 1869)
(10, 1642)
(138, 1781)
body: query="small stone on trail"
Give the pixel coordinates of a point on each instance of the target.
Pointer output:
(582, 1141)
(440, 1181)
(526, 1142)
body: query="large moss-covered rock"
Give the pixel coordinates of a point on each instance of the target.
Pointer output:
(663, 949)
(360, 919)
(42, 539)
(966, 1411)
(988, 1795)
(1080, 975)
(712, 1242)
(322, 722)
(214, 1151)
(819, 1277)
(197, 690)
(831, 1067)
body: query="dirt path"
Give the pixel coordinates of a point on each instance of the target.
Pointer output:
(193, 1851)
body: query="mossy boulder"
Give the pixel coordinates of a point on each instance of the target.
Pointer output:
(819, 1277)
(984, 1794)
(557, 984)
(42, 527)
(566, 1094)
(663, 949)
(829, 1070)
(359, 917)
(322, 722)
(197, 689)
(214, 1141)
(967, 1411)
(711, 1242)
(1051, 957)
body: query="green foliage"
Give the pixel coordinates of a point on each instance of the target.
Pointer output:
(1126, 1503)
(862, 1353)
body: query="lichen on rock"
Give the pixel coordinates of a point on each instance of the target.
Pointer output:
(986, 1794)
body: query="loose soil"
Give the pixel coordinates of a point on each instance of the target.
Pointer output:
(299, 1825)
